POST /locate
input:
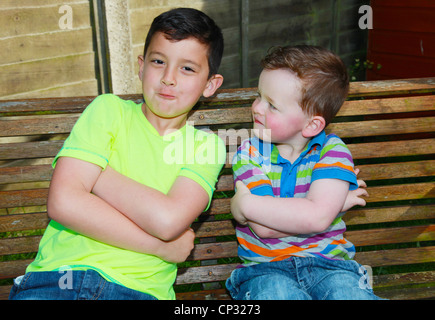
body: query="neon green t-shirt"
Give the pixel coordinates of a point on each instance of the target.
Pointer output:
(115, 132)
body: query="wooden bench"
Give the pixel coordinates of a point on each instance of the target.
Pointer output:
(388, 126)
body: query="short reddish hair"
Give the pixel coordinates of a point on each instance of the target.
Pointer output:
(324, 77)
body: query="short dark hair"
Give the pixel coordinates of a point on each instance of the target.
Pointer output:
(324, 77)
(182, 23)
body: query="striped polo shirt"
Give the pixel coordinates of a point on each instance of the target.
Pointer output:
(259, 165)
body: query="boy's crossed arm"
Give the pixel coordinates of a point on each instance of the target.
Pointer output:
(272, 217)
(164, 216)
(72, 204)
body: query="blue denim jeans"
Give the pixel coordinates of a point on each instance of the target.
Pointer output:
(81, 285)
(301, 279)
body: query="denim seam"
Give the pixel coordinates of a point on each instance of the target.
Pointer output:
(101, 286)
(23, 282)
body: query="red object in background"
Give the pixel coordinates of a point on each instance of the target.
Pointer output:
(402, 40)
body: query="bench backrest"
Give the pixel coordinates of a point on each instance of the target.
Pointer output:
(388, 126)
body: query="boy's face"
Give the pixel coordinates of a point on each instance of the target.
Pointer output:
(277, 107)
(174, 75)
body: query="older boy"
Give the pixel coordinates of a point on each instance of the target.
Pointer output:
(292, 190)
(96, 247)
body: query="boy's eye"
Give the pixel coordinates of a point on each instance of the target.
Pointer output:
(157, 61)
(189, 69)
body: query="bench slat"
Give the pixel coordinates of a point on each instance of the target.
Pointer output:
(37, 197)
(21, 126)
(389, 214)
(411, 169)
(391, 235)
(386, 106)
(39, 220)
(408, 293)
(22, 198)
(36, 173)
(356, 89)
(388, 280)
(215, 294)
(45, 149)
(19, 245)
(217, 250)
(13, 268)
(390, 87)
(30, 150)
(21, 222)
(382, 127)
(22, 174)
(55, 124)
(395, 257)
(401, 192)
(204, 274)
(392, 148)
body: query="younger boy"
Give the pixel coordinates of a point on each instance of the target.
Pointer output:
(291, 191)
(112, 237)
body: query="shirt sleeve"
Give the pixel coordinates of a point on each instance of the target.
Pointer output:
(93, 134)
(335, 163)
(209, 158)
(247, 167)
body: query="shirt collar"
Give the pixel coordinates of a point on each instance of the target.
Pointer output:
(276, 158)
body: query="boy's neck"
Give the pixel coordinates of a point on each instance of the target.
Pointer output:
(164, 126)
(292, 151)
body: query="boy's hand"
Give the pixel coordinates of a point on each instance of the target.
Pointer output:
(236, 202)
(354, 197)
(178, 250)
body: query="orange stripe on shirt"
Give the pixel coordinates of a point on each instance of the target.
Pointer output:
(337, 164)
(342, 241)
(257, 183)
(252, 151)
(273, 253)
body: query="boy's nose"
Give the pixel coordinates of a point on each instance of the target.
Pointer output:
(257, 106)
(168, 82)
(168, 78)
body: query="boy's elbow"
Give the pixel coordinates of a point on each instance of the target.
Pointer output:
(168, 230)
(318, 225)
(167, 235)
(262, 232)
(54, 207)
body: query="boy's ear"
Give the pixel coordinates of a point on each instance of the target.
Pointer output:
(315, 125)
(213, 84)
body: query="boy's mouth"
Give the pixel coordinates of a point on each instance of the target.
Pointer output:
(257, 121)
(166, 96)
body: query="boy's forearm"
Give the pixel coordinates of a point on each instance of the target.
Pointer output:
(153, 211)
(279, 214)
(267, 233)
(312, 214)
